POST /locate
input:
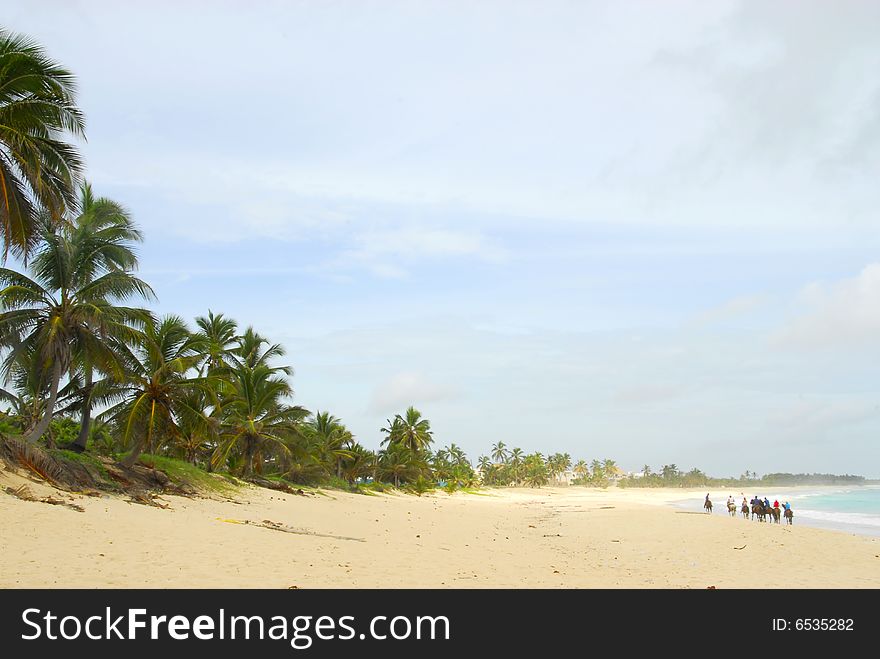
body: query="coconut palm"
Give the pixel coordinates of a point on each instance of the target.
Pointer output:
(535, 470)
(331, 438)
(159, 384)
(27, 394)
(499, 452)
(251, 352)
(669, 472)
(38, 168)
(255, 419)
(400, 463)
(457, 457)
(582, 469)
(358, 463)
(516, 465)
(104, 231)
(409, 430)
(196, 428)
(221, 342)
(68, 311)
(610, 468)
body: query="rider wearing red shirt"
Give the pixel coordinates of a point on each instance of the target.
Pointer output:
(776, 504)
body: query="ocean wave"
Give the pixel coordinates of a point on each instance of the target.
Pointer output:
(825, 493)
(861, 519)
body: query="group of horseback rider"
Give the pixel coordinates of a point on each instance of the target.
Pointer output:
(758, 508)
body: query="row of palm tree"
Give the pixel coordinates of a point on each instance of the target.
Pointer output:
(73, 343)
(505, 466)
(86, 366)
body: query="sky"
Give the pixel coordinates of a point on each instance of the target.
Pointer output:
(640, 231)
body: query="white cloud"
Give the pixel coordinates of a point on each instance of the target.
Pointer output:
(405, 389)
(843, 314)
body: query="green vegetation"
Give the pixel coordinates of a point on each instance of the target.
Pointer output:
(182, 471)
(38, 166)
(671, 476)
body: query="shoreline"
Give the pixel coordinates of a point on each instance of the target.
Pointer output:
(510, 538)
(828, 520)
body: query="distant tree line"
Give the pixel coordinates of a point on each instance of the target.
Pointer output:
(671, 476)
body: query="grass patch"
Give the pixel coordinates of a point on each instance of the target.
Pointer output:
(93, 465)
(81, 458)
(276, 478)
(180, 470)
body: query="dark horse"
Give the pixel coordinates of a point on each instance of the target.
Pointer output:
(775, 513)
(708, 506)
(745, 510)
(789, 516)
(758, 510)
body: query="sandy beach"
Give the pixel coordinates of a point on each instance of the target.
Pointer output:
(508, 538)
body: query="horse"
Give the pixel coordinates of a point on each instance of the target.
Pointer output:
(731, 508)
(775, 512)
(758, 509)
(745, 510)
(789, 516)
(708, 506)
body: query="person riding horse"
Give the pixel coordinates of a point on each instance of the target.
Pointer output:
(707, 505)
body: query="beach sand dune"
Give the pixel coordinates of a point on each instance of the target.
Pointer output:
(511, 538)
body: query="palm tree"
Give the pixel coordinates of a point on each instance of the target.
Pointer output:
(38, 169)
(401, 463)
(358, 463)
(157, 386)
(220, 340)
(669, 472)
(457, 456)
(104, 231)
(255, 419)
(410, 430)
(610, 468)
(535, 470)
(68, 311)
(331, 438)
(582, 469)
(196, 429)
(485, 465)
(251, 353)
(499, 452)
(27, 396)
(516, 465)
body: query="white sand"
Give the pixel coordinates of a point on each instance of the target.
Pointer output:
(571, 537)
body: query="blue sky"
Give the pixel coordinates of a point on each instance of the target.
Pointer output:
(644, 231)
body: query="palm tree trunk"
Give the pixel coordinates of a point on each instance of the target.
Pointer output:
(34, 435)
(136, 450)
(86, 419)
(248, 457)
(132, 457)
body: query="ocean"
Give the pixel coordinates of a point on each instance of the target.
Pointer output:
(856, 510)
(851, 509)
